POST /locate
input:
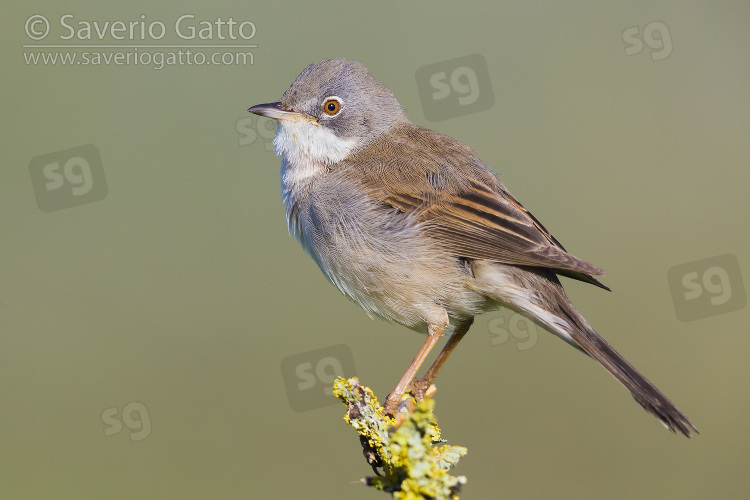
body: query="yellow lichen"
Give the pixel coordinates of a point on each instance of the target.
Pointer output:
(406, 449)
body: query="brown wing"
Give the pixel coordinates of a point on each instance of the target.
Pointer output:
(479, 224)
(462, 204)
(587, 278)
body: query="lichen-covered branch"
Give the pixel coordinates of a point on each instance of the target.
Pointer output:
(414, 461)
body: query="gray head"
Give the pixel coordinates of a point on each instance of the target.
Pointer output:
(334, 105)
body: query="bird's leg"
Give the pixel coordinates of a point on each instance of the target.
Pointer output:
(420, 386)
(433, 334)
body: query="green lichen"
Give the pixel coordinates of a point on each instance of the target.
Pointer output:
(407, 448)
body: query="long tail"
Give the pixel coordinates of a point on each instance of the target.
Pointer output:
(643, 391)
(537, 294)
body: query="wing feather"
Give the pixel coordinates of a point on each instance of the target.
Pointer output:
(465, 208)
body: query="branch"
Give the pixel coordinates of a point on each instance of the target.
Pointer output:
(414, 466)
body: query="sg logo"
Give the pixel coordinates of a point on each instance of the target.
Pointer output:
(68, 178)
(463, 81)
(661, 45)
(252, 128)
(134, 416)
(707, 287)
(454, 88)
(523, 331)
(309, 376)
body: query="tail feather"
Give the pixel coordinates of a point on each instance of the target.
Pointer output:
(537, 294)
(643, 391)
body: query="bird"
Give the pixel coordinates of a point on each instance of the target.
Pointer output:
(412, 226)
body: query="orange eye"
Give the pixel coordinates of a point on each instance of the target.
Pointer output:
(332, 106)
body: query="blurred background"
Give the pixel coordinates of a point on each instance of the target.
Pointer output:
(164, 337)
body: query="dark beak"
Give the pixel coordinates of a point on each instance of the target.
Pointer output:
(278, 112)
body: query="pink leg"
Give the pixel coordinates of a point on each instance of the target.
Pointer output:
(433, 334)
(419, 386)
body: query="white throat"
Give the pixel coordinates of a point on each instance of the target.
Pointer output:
(307, 150)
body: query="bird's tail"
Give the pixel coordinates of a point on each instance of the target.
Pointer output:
(537, 294)
(586, 339)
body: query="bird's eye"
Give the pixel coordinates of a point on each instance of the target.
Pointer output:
(332, 106)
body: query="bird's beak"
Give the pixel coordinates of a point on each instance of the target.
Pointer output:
(278, 112)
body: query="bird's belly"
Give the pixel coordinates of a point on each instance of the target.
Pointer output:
(387, 265)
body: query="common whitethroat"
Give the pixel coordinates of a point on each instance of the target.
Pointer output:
(414, 228)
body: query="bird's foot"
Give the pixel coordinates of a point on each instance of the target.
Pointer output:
(421, 388)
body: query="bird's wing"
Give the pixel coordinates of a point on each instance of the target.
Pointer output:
(479, 224)
(462, 205)
(580, 276)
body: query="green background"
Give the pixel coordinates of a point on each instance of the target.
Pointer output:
(182, 290)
